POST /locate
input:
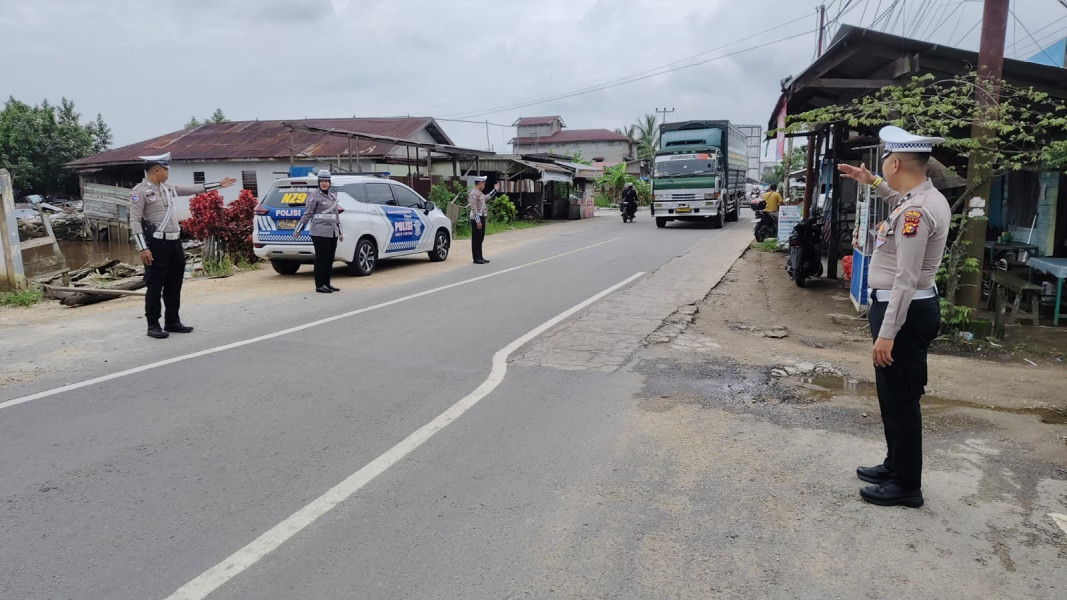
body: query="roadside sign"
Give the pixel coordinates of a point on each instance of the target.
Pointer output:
(788, 217)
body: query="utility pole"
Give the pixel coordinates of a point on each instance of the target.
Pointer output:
(663, 111)
(822, 21)
(990, 68)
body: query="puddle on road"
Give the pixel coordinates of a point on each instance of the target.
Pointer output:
(851, 387)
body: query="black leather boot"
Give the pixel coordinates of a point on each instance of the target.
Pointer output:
(154, 331)
(891, 494)
(877, 475)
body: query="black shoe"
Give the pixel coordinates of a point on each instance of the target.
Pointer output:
(485, 261)
(155, 332)
(876, 475)
(333, 289)
(891, 494)
(178, 328)
(479, 261)
(322, 289)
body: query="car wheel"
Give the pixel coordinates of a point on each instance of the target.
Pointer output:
(285, 267)
(365, 258)
(441, 244)
(661, 222)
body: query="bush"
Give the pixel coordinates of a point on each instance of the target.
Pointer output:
(602, 201)
(21, 298)
(501, 210)
(224, 229)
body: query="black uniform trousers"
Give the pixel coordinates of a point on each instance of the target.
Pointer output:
(164, 278)
(325, 250)
(477, 237)
(902, 384)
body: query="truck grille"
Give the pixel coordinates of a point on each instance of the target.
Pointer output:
(677, 197)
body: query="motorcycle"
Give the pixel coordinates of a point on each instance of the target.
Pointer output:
(754, 199)
(629, 211)
(805, 251)
(765, 224)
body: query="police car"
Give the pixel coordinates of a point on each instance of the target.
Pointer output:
(380, 218)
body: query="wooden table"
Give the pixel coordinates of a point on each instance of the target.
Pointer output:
(992, 248)
(1057, 267)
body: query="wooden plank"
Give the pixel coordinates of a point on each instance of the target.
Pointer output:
(36, 243)
(830, 82)
(97, 291)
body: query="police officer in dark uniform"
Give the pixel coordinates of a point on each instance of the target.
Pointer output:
(904, 311)
(322, 213)
(156, 233)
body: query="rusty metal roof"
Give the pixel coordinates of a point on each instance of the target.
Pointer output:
(531, 121)
(269, 140)
(574, 135)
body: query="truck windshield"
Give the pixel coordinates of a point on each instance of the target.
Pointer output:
(685, 165)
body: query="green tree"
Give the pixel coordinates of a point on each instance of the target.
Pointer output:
(629, 131)
(792, 161)
(216, 117)
(647, 144)
(613, 180)
(577, 157)
(1026, 130)
(36, 141)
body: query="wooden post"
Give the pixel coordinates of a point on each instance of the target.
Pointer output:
(359, 167)
(12, 274)
(809, 176)
(349, 154)
(833, 252)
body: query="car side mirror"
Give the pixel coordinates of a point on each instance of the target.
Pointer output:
(430, 206)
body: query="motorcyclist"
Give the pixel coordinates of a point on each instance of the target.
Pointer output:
(629, 202)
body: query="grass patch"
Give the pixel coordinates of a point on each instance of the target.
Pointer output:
(603, 201)
(221, 267)
(767, 246)
(21, 298)
(492, 227)
(247, 265)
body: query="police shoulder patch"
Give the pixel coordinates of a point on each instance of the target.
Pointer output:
(135, 198)
(911, 223)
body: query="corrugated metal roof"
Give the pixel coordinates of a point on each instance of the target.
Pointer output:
(574, 135)
(269, 140)
(531, 121)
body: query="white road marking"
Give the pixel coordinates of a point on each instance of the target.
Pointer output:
(270, 336)
(216, 576)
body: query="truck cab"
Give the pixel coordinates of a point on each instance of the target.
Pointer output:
(697, 173)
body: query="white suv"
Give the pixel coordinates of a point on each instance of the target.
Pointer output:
(380, 218)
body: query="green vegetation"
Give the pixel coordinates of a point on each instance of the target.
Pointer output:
(602, 201)
(767, 246)
(21, 298)
(36, 141)
(216, 117)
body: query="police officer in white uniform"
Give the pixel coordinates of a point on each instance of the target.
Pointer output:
(321, 212)
(156, 234)
(904, 312)
(479, 214)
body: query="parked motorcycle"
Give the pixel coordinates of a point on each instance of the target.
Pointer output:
(754, 199)
(805, 251)
(765, 224)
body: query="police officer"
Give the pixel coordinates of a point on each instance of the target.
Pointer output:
(321, 212)
(479, 211)
(904, 312)
(156, 234)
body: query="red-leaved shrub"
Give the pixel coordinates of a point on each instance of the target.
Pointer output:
(229, 227)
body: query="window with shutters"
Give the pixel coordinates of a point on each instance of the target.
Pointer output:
(248, 180)
(198, 177)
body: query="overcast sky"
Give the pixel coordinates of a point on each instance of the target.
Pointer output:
(148, 66)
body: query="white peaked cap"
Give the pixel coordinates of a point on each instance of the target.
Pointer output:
(898, 140)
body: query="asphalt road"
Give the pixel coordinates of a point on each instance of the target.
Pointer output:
(137, 485)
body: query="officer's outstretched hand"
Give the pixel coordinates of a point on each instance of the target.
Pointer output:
(227, 181)
(146, 257)
(860, 173)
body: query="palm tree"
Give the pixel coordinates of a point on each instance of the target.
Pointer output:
(629, 131)
(646, 136)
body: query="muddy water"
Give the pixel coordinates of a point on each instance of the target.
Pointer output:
(78, 255)
(846, 386)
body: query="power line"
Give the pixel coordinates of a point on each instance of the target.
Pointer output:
(1052, 37)
(660, 70)
(1020, 23)
(973, 27)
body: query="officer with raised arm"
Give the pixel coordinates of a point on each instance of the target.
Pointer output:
(904, 311)
(479, 213)
(156, 234)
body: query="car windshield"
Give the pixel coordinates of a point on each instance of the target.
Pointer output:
(685, 165)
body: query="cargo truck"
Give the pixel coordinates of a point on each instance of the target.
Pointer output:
(699, 172)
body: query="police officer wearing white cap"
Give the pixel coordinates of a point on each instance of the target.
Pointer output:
(479, 212)
(904, 311)
(156, 234)
(321, 211)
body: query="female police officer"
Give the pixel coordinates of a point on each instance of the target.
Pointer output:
(325, 230)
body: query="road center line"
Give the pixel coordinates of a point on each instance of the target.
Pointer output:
(216, 576)
(270, 336)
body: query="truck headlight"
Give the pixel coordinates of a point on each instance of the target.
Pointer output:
(711, 195)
